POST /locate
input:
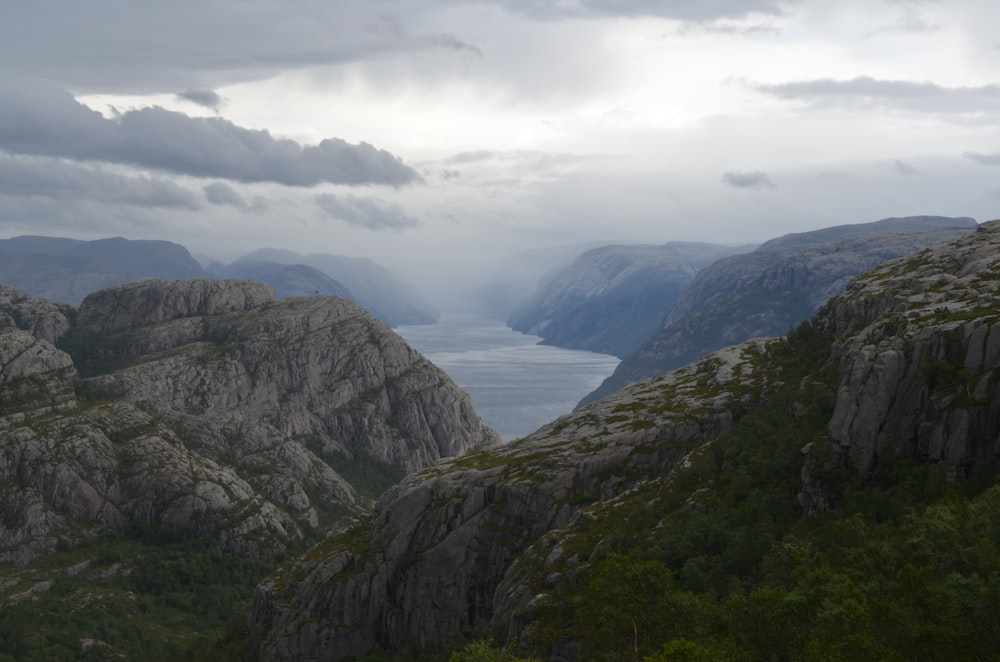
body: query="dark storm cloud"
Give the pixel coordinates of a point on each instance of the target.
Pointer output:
(71, 182)
(906, 95)
(206, 98)
(142, 47)
(985, 159)
(365, 212)
(41, 119)
(755, 179)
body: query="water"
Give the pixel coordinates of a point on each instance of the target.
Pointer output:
(516, 384)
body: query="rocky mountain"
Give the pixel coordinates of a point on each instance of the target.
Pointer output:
(67, 270)
(209, 405)
(288, 280)
(770, 290)
(613, 298)
(672, 518)
(372, 285)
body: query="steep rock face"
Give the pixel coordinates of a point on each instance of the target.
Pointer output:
(216, 415)
(768, 291)
(447, 536)
(42, 318)
(315, 368)
(611, 299)
(919, 346)
(35, 378)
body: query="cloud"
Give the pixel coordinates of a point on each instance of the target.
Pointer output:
(206, 98)
(985, 159)
(220, 193)
(71, 182)
(865, 91)
(755, 179)
(39, 118)
(683, 10)
(903, 168)
(140, 47)
(365, 212)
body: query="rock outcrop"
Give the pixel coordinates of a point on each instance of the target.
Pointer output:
(316, 368)
(611, 299)
(919, 348)
(41, 318)
(211, 406)
(772, 289)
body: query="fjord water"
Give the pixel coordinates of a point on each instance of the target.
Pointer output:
(516, 384)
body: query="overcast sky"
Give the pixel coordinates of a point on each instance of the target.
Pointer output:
(433, 135)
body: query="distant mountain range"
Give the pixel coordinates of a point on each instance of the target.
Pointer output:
(611, 299)
(766, 292)
(67, 270)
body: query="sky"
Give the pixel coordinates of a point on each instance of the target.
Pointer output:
(438, 136)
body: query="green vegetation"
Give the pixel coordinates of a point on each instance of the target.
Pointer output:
(908, 569)
(368, 476)
(148, 594)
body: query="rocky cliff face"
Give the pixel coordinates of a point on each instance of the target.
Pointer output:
(918, 341)
(492, 538)
(611, 299)
(39, 317)
(210, 406)
(768, 291)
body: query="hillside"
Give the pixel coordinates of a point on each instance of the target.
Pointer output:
(377, 288)
(199, 417)
(611, 299)
(825, 495)
(770, 290)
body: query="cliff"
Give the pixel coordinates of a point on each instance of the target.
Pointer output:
(772, 289)
(209, 405)
(611, 299)
(429, 563)
(600, 534)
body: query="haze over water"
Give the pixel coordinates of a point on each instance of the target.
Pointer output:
(516, 384)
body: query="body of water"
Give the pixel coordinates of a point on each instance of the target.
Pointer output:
(516, 384)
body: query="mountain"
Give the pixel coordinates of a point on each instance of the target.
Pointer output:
(210, 405)
(370, 284)
(66, 270)
(288, 280)
(613, 298)
(770, 290)
(517, 276)
(830, 494)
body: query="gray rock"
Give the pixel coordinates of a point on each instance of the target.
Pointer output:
(42, 318)
(146, 303)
